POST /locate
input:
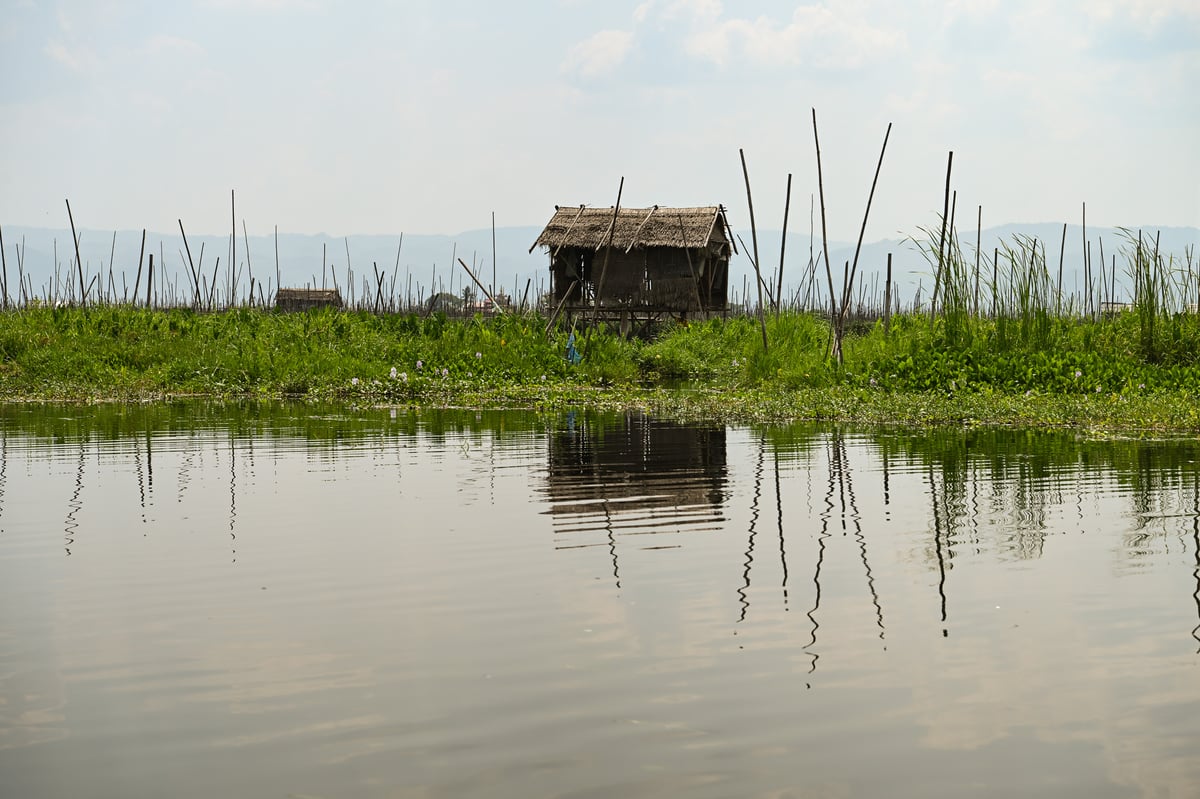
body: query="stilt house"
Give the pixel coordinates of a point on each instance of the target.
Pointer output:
(640, 261)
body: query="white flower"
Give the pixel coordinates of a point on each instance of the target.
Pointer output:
(404, 376)
(354, 381)
(392, 374)
(445, 372)
(419, 365)
(478, 355)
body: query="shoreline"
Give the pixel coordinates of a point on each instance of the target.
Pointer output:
(1157, 412)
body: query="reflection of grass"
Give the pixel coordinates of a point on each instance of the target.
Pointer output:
(1033, 368)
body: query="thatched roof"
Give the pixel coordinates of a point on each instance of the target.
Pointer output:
(579, 226)
(309, 295)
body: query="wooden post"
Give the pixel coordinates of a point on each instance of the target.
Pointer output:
(149, 280)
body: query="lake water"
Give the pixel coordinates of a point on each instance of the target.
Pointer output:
(268, 601)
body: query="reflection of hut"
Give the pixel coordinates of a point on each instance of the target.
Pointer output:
(634, 476)
(652, 261)
(305, 299)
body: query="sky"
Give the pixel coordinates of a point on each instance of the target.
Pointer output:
(430, 116)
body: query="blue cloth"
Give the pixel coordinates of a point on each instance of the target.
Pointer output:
(573, 355)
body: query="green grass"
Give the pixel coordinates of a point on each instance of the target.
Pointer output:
(957, 368)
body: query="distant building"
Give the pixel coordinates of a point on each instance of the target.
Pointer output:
(304, 299)
(651, 261)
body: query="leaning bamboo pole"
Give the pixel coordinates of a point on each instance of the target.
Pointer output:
(612, 228)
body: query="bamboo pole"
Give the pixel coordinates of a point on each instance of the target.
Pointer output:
(887, 298)
(558, 310)
(937, 278)
(837, 349)
(612, 228)
(787, 204)
(978, 244)
(861, 232)
(78, 260)
(192, 266)
(762, 320)
(141, 254)
(3, 270)
(486, 293)
(249, 271)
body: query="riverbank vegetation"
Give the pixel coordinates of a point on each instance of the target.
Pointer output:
(1107, 370)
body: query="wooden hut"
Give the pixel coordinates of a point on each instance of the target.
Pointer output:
(646, 261)
(304, 299)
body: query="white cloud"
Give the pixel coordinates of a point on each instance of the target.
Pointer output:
(822, 36)
(600, 53)
(63, 55)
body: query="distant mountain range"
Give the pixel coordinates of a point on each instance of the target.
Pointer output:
(421, 261)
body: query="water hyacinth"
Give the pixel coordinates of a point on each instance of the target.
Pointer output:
(420, 364)
(354, 381)
(392, 374)
(478, 355)
(445, 372)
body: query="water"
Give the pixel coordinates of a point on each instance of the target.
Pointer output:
(201, 601)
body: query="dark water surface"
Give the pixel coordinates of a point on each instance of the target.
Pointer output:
(207, 601)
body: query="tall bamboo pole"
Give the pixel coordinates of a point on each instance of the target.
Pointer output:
(762, 319)
(78, 260)
(836, 351)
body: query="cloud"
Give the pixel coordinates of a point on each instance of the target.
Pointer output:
(600, 53)
(163, 44)
(837, 37)
(262, 5)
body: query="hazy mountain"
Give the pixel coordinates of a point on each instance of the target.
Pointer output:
(420, 260)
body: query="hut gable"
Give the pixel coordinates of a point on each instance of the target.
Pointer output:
(640, 260)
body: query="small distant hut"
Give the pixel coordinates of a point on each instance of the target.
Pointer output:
(651, 261)
(305, 299)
